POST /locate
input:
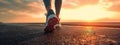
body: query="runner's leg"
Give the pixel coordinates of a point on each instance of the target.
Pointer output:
(47, 4)
(58, 4)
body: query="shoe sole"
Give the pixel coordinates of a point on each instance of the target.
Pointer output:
(51, 23)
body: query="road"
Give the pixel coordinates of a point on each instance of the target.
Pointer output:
(67, 35)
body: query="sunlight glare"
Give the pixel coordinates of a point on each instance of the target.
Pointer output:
(87, 13)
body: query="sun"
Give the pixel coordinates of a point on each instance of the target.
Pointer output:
(86, 13)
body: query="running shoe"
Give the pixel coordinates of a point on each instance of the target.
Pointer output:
(51, 21)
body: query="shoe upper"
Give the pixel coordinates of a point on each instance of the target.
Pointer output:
(50, 12)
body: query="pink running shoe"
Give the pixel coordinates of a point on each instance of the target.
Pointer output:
(51, 21)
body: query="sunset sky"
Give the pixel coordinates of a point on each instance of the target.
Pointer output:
(72, 10)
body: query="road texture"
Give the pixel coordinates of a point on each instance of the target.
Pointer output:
(67, 35)
(71, 35)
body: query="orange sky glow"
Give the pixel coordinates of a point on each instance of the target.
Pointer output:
(89, 12)
(72, 10)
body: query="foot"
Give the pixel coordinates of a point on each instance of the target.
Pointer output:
(52, 20)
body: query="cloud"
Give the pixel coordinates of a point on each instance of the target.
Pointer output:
(6, 16)
(11, 10)
(115, 8)
(14, 9)
(111, 5)
(77, 3)
(114, 5)
(26, 18)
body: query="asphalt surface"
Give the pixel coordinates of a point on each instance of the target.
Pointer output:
(67, 35)
(71, 35)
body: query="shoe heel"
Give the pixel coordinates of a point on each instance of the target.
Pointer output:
(51, 23)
